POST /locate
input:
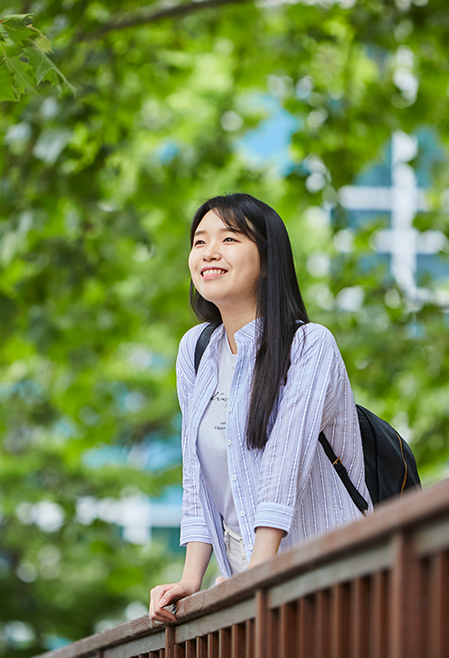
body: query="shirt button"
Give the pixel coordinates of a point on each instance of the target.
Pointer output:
(250, 547)
(229, 409)
(242, 513)
(233, 477)
(229, 443)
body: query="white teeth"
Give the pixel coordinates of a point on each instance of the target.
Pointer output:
(214, 272)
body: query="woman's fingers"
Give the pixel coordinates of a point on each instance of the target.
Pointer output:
(161, 596)
(166, 595)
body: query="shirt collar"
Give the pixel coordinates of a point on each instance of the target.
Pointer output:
(247, 334)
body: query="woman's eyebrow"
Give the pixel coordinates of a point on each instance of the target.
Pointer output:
(225, 229)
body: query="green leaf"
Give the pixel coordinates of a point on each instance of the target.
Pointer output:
(15, 16)
(22, 78)
(39, 62)
(42, 66)
(6, 84)
(15, 29)
(43, 43)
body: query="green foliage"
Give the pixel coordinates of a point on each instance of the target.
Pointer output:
(25, 62)
(97, 192)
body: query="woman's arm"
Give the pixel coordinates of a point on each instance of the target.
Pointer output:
(266, 545)
(197, 559)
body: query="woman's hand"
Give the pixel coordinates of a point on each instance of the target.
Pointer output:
(197, 558)
(163, 595)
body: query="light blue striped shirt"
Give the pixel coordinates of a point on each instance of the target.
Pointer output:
(290, 484)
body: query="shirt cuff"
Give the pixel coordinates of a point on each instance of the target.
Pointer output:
(274, 515)
(194, 528)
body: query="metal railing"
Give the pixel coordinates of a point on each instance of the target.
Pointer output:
(378, 588)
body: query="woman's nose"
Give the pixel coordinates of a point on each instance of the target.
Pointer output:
(211, 252)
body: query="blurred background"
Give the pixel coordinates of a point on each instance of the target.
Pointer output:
(334, 112)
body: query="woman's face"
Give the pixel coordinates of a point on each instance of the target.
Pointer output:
(224, 265)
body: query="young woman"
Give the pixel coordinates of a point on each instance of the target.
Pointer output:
(255, 478)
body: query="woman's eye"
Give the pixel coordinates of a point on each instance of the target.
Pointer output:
(229, 240)
(198, 242)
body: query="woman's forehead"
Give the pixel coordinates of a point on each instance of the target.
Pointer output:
(213, 220)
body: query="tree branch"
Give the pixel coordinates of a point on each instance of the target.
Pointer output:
(150, 15)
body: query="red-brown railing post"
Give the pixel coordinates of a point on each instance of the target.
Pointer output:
(380, 616)
(170, 642)
(438, 605)
(224, 643)
(287, 631)
(339, 621)
(261, 624)
(397, 597)
(406, 600)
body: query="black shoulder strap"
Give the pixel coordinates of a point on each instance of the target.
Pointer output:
(202, 343)
(342, 473)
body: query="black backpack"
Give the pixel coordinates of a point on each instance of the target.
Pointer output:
(390, 466)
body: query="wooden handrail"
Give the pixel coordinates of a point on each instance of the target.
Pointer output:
(388, 573)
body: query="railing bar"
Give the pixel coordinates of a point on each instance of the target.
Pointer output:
(416, 605)
(170, 642)
(260, 640)
(339, 621)
(249, 638)
(190, 647)
(306, 623)
(359, 625)
(379, 616)
(432, 537)
(438, 635)
(346, 568)
(237, 641)
(224, 643)
(212, 623)
(273, 633)
(201, 647)
(408, 596)
(212, 645)
(322, 624)
(180, 651)
(149, 644)
(287, 630)
(398, 594)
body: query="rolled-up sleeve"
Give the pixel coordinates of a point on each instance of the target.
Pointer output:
(309, 395)
(193, 525)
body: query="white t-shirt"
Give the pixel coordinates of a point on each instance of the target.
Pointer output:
(212, 443)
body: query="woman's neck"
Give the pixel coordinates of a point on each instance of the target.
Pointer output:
(233, 321)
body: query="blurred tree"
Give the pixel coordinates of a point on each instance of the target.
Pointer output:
(96, 195)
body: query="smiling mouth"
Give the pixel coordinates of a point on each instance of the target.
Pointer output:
(210, 274)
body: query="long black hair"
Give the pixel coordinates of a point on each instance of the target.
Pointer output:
(279, 300)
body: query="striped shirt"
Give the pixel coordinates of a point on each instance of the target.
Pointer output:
(290, 484)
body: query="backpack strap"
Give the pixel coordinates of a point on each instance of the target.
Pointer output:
(202, 343)
(342, 473)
